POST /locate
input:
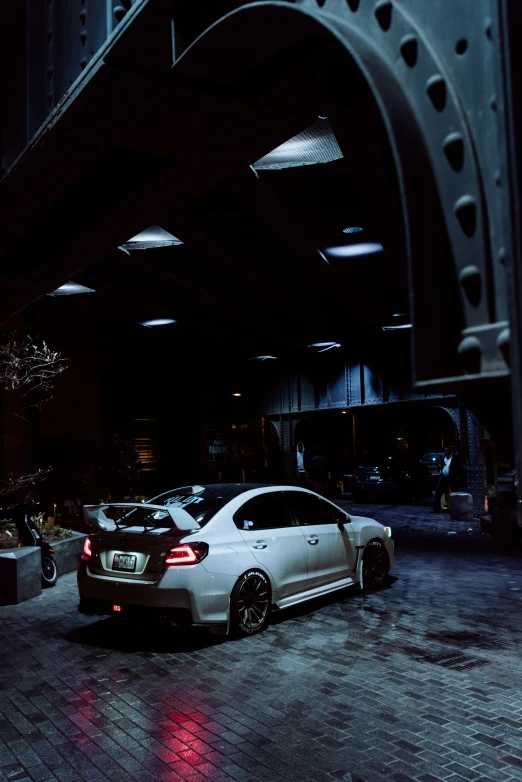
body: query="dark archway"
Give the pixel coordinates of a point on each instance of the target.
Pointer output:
(255, 46)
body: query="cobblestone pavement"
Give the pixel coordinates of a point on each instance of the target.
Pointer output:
(418, 681)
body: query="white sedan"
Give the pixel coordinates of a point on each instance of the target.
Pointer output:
(223, 555)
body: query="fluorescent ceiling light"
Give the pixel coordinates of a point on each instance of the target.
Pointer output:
(396, 328)
(236, 394)
(152, 237)
(325, 345)
(157, 322)
(354, 250)
(262, 358)
(353, 229)
(69, 288)
(399, 314)
(316, 144)
(323, 256)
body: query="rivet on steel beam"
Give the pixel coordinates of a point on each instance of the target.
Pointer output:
(471, 281)
(502, 256)
(410, 50)
(83, 16)
(50, 70)
(83, 37)
(353, 5)
(83, 62)
(493, 103)
(49, 35)
(437, 92)
(119, 12)
(498, 177)
(489, 30)
(466, 214)
(384, 14)
(454, 150)
(504, 345)
(470, 352)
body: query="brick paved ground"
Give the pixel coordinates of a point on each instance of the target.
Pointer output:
(419, 681)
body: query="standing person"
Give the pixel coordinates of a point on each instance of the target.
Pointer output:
(455, 471)
(301, 464)
(443, 486)
(319, 473)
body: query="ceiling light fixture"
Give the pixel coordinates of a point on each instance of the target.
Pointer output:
(324, 345)
(152, 237)
(262, 358)
(316, 144)
(354, 250)
(353, 229)
(157, 322)
(396, 328)
(323, 256)
(399, 315)
(236, 394)
(70, 288)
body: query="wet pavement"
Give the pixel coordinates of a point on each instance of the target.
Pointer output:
(418, 681)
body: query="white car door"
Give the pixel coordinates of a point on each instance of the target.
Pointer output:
(330, 546)
(270, 532)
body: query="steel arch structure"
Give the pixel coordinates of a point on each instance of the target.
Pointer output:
(447, 101)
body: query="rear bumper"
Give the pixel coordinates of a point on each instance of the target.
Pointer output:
(191, 592)
(371, 487)
(95, 607)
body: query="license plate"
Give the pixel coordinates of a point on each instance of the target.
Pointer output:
(124, 562)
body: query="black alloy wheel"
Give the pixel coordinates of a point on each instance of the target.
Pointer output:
(376, 564)
(250, 603)
(49, 571)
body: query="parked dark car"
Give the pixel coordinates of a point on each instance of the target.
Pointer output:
(433, 461)
(390, 477)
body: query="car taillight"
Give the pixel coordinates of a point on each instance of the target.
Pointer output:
(87, 550)
(187, 554)
(355, 473)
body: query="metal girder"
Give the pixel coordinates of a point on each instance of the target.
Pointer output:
(442, 73)
(333, 387)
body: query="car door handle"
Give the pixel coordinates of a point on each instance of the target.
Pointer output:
(313, 540)
(259, 544)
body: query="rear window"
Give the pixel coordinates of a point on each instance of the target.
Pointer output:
(202, 502)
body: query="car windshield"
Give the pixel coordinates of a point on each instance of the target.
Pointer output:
(432, 457)
(202, 502)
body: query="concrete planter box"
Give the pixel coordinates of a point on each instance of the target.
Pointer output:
(68, 552)
(21, 568)
(20, 574)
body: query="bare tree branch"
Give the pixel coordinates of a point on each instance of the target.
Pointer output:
(27, 365)
(14, 483)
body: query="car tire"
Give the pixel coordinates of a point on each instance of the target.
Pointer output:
(375, 564)
(250, 604)
(49, 572)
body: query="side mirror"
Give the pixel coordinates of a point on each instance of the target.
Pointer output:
(342, 520)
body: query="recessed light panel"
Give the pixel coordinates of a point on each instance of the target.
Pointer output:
(324, 346)
(316, 144)
(71, 288)
(396, 328)
(157, 322)
(354, 250)
(152, 237)
(353, 229)
(262, 358)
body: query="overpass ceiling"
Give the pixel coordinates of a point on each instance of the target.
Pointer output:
(250, 277)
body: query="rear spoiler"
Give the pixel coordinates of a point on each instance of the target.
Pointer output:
(94, 515)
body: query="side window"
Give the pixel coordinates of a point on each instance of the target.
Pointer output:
(269, 511)
(311, 510)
